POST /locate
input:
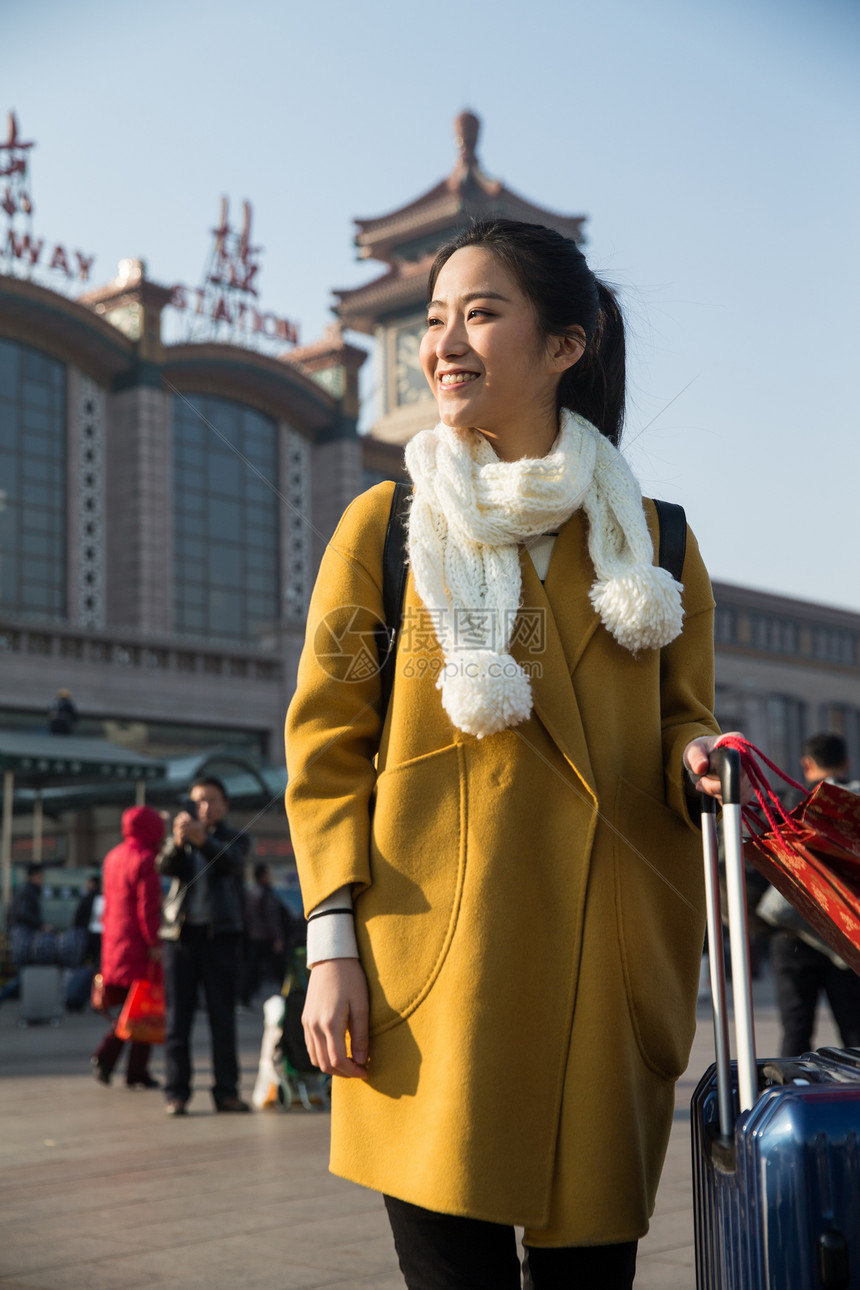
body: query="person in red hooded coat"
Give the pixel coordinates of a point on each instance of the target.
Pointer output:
(132, 916)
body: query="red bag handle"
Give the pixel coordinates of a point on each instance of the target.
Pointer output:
(768, 802)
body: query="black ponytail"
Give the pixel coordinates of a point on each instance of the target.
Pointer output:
(595, 386)
(552, 272)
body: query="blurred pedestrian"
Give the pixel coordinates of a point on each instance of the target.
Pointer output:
(84, 920)
(62, 714)
(266, 921)
(26, 911)
(24, 925)
(130, 943)
(25, 916)
(803, 967)
(203, 942)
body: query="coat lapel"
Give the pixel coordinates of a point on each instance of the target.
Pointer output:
(561, 611)
(568, 582)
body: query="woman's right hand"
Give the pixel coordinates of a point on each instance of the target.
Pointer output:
(337, 1003)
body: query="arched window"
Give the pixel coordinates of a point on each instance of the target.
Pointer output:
(225, 509)
(32, 483)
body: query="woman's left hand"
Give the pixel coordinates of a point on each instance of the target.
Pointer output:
(698, 760)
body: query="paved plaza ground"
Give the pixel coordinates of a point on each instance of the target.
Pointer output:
(100, 1191)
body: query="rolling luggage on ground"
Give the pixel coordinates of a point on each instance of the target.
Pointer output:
(41, 994)
(78, 988)
(776, 1144)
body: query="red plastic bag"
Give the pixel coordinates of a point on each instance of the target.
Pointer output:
(142, 1016)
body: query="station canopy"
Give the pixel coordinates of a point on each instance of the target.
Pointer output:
(40, 760)
(68, 773)
(51, 774)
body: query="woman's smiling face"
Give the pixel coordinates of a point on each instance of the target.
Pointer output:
(488, 365)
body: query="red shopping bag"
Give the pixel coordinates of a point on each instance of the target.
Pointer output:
(142, 1016)
(825, 899)
(811, 854)
(829, 819)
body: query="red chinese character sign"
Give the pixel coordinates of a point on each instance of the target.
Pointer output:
(226, 307)
(22, 253)
(13, 170)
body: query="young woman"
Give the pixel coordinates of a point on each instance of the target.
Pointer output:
(501, 871)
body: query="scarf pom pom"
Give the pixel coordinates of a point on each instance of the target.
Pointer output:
(641, 609)
(484, 692)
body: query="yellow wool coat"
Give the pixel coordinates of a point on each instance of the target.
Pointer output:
(529, 906)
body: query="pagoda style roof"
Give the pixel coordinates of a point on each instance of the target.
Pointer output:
(331, 346)
(407, 239)
(403, 285)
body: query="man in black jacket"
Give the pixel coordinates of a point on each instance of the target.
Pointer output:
(26, 909)
(203, 940)
(25, 920)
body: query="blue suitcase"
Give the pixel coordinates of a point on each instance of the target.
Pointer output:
(79, 985)
(776, 1144)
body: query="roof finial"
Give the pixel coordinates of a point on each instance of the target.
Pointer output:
(467, 127)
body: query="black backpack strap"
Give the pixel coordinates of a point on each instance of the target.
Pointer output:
(394, 570)
(672, 550)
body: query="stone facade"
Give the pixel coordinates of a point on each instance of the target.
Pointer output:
(786, 669)
(139, 510)
(133, 676)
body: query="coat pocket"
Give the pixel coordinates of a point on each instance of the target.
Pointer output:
(406, 918)
(660, 904)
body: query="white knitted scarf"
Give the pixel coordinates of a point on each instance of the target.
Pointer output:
(469, 513)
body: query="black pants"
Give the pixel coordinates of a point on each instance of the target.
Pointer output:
(442, 1252)
(214, 962)
(801, 974)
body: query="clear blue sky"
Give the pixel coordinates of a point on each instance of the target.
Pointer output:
(713, 147)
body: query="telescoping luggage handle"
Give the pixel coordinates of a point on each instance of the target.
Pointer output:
(730, 776)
